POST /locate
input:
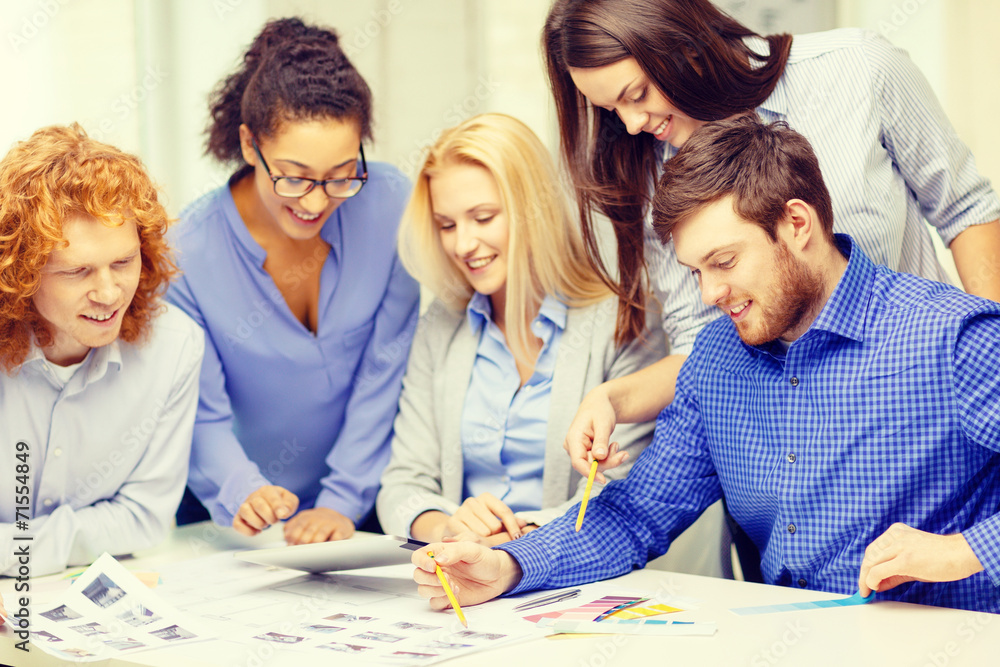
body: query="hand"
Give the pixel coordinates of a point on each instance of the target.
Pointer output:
(589, 433)
(904, 554)
(320, 524)
(483, 516)
(475, 573)
(266, 505)
(3, 612)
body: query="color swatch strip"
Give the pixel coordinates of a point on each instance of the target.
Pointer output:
(855, 599)
(642, 612)
(590, 611)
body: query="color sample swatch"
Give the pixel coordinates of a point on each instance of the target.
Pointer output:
(590, 611)
(855, 599)
(640, 612)
(647, 626)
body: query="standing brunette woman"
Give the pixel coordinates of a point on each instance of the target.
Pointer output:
(633, 79)
(291, 269)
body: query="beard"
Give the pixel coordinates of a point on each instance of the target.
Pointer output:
(790, 297)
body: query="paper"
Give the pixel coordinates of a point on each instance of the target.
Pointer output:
(591, 611)
(855, 599)
(632, 627)
(108, 612)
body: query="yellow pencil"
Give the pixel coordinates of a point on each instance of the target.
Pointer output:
(586, 494)
(447, 591)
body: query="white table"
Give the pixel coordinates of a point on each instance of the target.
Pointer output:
(884, 634)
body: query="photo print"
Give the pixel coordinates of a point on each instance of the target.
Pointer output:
(103, 592)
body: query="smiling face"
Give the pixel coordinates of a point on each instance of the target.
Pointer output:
(315, 149)
(624, 88)
(87, 286)
(766, 290)
(473, 228)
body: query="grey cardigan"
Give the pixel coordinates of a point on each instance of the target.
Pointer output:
(425, 471)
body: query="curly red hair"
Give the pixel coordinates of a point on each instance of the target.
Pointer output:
(57, 173)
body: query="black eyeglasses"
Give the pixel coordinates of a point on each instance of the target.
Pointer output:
(295, 186)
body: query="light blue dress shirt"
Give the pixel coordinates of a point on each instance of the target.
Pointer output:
(280, 405)
(889, 156)
(887, 409)
(503, 423)
(107, 450)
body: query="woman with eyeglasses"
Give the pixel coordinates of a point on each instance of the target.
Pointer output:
(291, 269)
(520, 331)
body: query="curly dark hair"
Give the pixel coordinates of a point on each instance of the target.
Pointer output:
(292, 71)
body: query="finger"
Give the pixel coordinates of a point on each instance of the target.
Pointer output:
(250, 517)
(285, 504)
(484, 508)
(342, 530)
(579, 455)
(261, 504)
(602, 437)
(243, 528)
(465, 520)
(504, 515)
(293, 529)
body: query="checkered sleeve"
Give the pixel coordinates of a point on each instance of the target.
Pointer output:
(977, 387)
(634, 519)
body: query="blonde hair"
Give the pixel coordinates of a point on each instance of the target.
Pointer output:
(546, 255)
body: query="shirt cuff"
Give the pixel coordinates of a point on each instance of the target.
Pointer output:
(352, 510)
(532, 556)
(984, 538)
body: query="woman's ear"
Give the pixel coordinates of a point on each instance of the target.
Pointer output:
(246, 145)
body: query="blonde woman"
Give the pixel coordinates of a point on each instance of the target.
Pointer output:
(520, 330)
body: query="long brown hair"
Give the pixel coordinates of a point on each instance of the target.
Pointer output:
(696, 56)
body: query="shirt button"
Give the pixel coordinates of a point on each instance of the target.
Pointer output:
(802, 583)
(794, 381)
(47, 502)
(791, 528)
(57, 452)
(791, 457)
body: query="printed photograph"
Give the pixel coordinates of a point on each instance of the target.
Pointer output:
(172, 632)
(409, 655)
(279, 638)
(325, 629)
(123, 644)
(380, 637)
(61, 613)
(345, 648)
(471, 634)
(446, 645)
(350, 618)
(90, 629)
(103, 592)
(43, 636)
(405, 625)
(138, 616)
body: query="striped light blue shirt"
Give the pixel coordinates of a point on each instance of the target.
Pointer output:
(889, 157)
(504, 424)
(887, 409)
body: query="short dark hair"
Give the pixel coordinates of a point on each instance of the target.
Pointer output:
(292, 71)
(761, 165)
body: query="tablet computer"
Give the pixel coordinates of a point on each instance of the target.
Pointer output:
(349, 554)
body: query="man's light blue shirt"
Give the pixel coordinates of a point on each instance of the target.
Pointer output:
(105, 452)
(504, 424)
(886, 410)
(279, 404)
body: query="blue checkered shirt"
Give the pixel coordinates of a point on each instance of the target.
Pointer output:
(887, 409)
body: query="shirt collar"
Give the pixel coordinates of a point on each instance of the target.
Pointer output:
(95, 366)
(846, 311)
(479, 311)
